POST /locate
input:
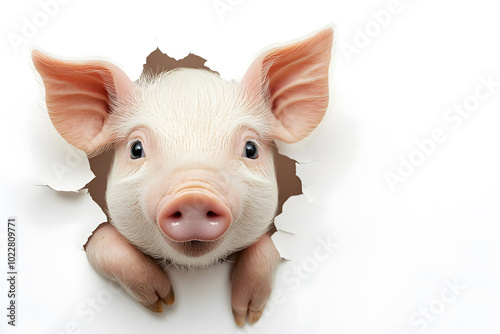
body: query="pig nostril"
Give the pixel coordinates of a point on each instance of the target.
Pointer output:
(211, 214)
(177, 214)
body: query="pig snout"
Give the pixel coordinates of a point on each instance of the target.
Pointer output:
(196, 207)
(194, 213)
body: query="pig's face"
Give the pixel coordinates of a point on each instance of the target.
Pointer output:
(193, 176)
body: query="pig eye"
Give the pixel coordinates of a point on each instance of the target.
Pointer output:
(250, 150)
(136, 150)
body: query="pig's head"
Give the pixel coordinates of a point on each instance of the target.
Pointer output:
(193, 175)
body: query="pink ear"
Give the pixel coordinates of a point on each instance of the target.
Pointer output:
(80, 96)
(293, 80)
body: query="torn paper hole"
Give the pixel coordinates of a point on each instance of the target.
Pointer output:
(72, 170)
(293, 194)
(291, 201)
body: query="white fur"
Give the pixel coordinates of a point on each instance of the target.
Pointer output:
(193, 117)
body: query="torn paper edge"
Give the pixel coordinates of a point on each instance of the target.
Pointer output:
(284, 232)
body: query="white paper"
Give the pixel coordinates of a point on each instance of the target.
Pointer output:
(364, 258)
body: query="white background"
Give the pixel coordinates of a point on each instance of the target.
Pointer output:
(397, 251)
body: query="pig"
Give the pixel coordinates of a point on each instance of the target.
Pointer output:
(192, 179)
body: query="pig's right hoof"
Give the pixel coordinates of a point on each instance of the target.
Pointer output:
(141, 278)
(115, 258)
(157, 307)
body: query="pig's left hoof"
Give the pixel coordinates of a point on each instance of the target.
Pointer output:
(239, 318)
(252, 279)
(253, 317)
(253, 306)
(249, 297)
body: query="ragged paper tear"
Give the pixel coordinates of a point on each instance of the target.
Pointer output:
(62, 167)
(71, 170)
(296, 214)
(81, 183)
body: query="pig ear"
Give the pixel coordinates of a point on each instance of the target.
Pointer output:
(293, 80)
(80, 95)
